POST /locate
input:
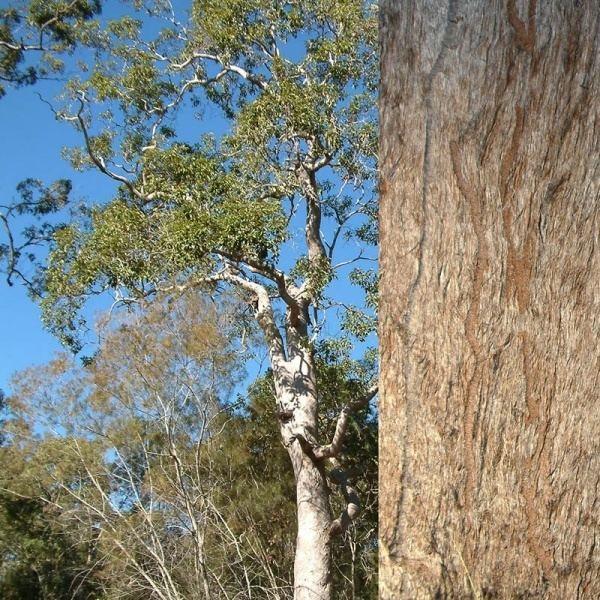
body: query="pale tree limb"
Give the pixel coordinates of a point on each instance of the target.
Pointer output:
(310, 188)
(270, 272)
(352, 509)
(263, 306)
(229, 67)
(333, 449)
(263, 312)
(21, 47)
(338, 475)
(331, 452)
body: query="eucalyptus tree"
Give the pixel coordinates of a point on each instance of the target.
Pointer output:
(490, 209)
(275, 198)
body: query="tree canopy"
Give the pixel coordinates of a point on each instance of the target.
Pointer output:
(294, 84)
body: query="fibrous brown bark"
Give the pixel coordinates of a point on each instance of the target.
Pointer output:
(490, 298)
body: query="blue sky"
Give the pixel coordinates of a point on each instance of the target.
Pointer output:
(30, 147)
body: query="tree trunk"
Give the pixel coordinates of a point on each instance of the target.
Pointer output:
(296, 389)
(296, 394)
(312, 564)
(490, 298)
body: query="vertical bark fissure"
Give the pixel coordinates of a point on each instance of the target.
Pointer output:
(472, 321)
(519, 271)
(536, 467)
(447, 42)
(519, 265)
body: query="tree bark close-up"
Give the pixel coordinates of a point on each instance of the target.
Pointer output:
(489, 299)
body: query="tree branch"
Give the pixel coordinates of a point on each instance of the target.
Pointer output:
(310, 188)
(332, 449)
(263, 312)
(98, 160)
(231, 68)
(263, 308)
(352, 509)
(265, 270)
(12, 259)
(21, 47)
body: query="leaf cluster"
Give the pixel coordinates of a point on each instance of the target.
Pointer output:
(48, 28)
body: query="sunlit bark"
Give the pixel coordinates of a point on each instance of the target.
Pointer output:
(490, 271)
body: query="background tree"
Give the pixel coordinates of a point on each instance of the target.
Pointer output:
(260, 207)
(39, 557)
(489, 306)
(123, 447)
(172, 491)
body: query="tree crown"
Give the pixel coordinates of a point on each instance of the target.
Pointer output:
(265, 198)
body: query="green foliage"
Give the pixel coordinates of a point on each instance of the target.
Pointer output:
(318, 274)
(296, 81)
(40, 557)
(45, 27)
(38, 200)
(40, 203)
(359, 324)
(367, 280)
(10, 58)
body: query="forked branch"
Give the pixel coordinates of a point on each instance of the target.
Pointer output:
(333, 449)
(352, 508)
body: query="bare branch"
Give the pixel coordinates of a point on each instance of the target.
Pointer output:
(14, 253)
(310, 188)
(98, 160)
(351, 261)
(263, 312)
(333, 448)
(231, 68)
(352, 509)
(21, 47)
